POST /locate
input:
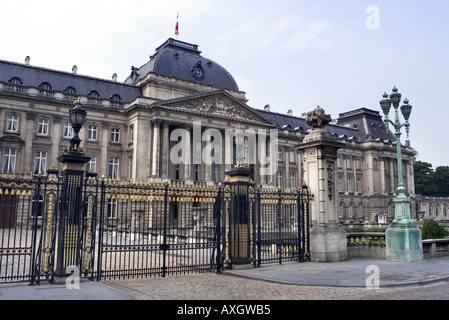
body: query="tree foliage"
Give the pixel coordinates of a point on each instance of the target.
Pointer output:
(432, 229)
(429, 182)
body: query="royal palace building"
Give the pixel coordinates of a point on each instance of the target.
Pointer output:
(175, 114)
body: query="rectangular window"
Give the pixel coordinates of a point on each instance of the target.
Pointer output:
(9, 160)
(131, 133)
(42, 127)
(279, 179)
(279, 154)
(177, 172)
(115, 135)
(40, 162)
(349, 184)
(130, 167)
(348, 163)
(216, 173)
(92, 132)
(292, 156)
(339, 184)
(197, 172)
(12, 124)
(92, 164)
(68, 130)
(114, 167)
(359, 185)
(292, 180)
(112, 208)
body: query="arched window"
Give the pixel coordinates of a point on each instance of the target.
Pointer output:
(341, 210)
(93, 93)
(70, 90)
(45, 86)
(115, 100)
(15, 80)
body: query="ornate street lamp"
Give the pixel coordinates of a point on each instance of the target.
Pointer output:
(77, 118)
(402, 209)
(403, 237)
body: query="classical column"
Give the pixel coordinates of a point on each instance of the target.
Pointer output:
(207, 164)
(165, 156)
(327, 238)
(142, 147)
(155, 155)
(383, 184)
(188, 149)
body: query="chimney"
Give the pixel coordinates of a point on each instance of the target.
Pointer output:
(114, 77)
(290, 112)
(75, 69)
(27, 60)
(267, 107)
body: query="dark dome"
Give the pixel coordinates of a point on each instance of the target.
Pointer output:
(181, 60)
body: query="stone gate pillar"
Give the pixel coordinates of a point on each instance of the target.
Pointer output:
(327, 238)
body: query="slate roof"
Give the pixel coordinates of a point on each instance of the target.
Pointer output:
(285, 121)
(369, 124)
(32, 76)
(177, 59)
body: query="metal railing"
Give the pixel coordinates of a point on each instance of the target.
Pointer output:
(143, 228)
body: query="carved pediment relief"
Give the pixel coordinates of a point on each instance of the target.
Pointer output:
(218, 105)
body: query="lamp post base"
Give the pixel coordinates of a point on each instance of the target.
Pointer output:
(404, 241)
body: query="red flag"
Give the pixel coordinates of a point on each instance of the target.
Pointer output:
(177, 26)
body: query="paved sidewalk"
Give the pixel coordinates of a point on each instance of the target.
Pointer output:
(352, 273)
(321, 277)
(88, 290)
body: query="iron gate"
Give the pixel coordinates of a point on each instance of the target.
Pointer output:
(145, 229)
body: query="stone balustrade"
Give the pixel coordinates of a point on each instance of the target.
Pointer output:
(372, 245)
(435, 247)
(366, 245)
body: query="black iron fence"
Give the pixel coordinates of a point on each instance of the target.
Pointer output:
(144, 229)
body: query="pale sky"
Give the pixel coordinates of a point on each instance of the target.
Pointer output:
(291, 54)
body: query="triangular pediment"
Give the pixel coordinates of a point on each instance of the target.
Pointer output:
(217, 104)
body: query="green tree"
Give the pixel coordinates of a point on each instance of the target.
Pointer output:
(432, 229)
(424, 184)
(440, 179)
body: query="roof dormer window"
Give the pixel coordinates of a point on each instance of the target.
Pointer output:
(16, 80)
(70, 90)
(94, 94)
(45, 86)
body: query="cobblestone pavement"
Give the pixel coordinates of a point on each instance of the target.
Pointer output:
(229, 287)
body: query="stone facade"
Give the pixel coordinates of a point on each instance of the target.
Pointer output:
(132, 128)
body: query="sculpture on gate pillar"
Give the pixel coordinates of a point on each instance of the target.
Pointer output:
(318, 118)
